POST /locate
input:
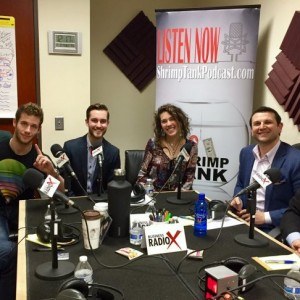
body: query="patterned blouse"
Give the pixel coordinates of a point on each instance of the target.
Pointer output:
(158, 166)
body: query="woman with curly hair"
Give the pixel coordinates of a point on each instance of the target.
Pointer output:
(171, 130)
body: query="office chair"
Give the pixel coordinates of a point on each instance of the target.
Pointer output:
(133, 162)
(297, 146)
(4, 135)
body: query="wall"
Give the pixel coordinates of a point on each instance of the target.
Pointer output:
(132, 111)
(69, 84)
(64, 79)
(27, 82)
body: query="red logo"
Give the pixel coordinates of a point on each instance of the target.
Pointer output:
(173, 238)
(50, 182)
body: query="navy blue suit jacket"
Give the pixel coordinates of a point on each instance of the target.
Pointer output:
(287, 160)
(76, 151)
(290, 221)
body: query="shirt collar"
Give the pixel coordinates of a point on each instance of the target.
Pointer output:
(270, 155)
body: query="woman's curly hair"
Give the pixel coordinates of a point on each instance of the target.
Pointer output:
(177, 113)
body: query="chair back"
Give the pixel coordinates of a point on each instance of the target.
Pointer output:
(297, 146)
(133, 162)
(4, 135)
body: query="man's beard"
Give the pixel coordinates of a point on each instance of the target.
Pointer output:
(91, 132)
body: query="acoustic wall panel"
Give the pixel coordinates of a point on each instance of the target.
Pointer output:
(133, 51)
(284, 79)
(291, 43)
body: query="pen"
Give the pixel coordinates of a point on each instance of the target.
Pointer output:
(285, 262)
(187, 217)
(44, 249)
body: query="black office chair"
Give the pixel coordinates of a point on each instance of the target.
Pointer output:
(297, 146)
(133, 162)
(4, 135)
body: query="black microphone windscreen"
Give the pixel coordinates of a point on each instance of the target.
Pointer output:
(56, 150)
(33, 178)
(274, 175)
(188, 146)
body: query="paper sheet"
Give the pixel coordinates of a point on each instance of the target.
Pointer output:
(277, 266)
(211, 224)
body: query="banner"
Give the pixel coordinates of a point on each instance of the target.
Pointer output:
(8, 69)
(205, 65)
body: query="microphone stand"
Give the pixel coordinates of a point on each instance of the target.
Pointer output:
(101, 196)
(51, 270)
(65, 209)
(250, 240)
(177, 199)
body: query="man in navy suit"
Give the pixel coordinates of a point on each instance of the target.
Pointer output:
(93, 171)
(290, 223)
(270, 152)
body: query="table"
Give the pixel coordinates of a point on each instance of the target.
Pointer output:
(149, 278)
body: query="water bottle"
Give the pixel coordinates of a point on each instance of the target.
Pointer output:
(84, 270)
(200, 226)
(136, 233)
(292, 287)
(149, 188)
(47, 215)
(118, 194)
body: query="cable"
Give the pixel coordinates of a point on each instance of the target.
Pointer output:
(155, 196)
(210, 246)
(122, 265)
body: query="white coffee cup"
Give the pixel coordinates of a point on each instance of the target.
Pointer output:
(92, 218)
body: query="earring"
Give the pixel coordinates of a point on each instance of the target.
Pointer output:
(163, 133)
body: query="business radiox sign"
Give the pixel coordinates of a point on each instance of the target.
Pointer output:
(205, 65)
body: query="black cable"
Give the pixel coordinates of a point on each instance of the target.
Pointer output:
(155, 195)
(122, 265)
(210, 246)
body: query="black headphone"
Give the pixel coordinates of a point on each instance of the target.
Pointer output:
(138, 192)
(65, 233)
(246, 272)
(216, 209)
(75, 288)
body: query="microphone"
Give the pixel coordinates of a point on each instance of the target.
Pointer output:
(99, 152)
(184, 154)
(63, 160)
(35, 180)
(273, 176)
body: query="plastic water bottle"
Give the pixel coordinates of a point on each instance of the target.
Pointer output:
(200, 226)
(149, 188)
(84, 270)
(292, 287)
(136, 233)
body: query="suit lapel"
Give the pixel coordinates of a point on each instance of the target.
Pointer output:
(277, 163)
(83, 159)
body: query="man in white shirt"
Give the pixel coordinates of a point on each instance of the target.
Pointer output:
(269, 152)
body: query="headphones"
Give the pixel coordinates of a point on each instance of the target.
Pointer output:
(138, 191)
(65, 235)
(246, 272)
(78, 289)
(216, 209)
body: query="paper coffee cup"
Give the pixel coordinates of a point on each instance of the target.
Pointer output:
(93, 223)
